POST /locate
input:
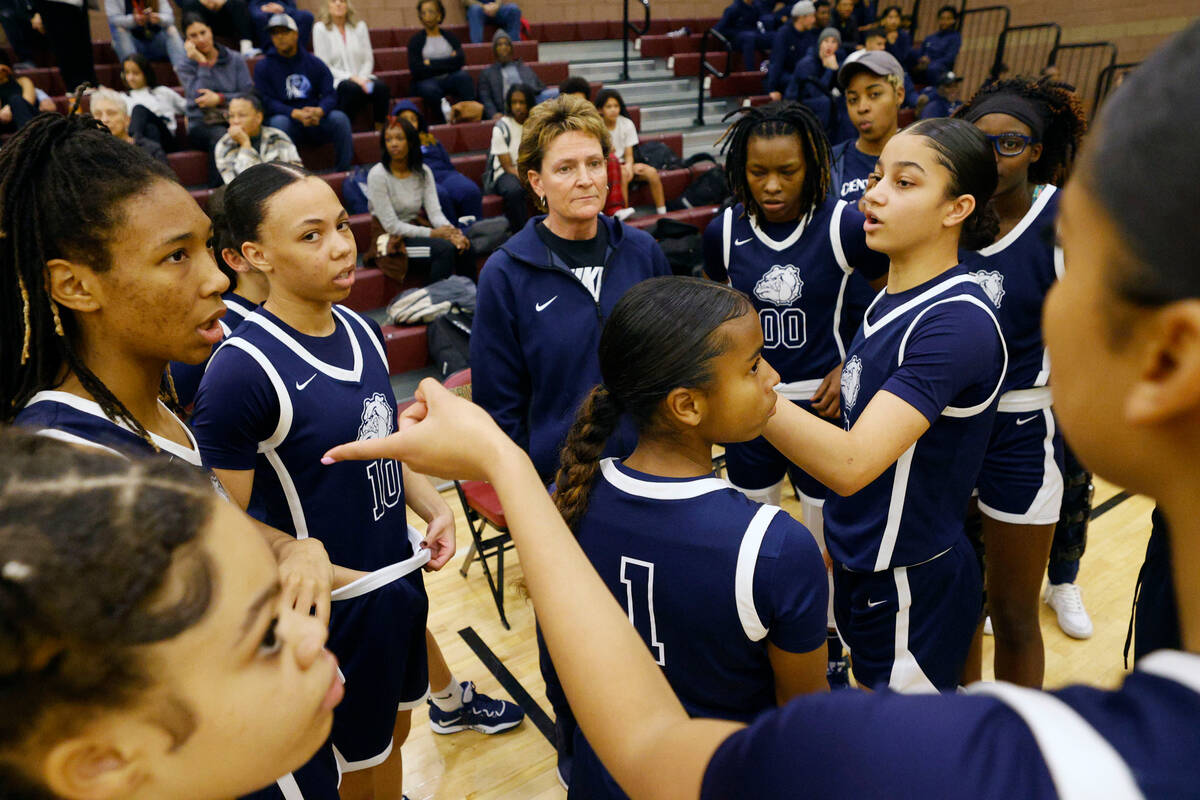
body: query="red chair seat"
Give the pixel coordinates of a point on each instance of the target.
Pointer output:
(484, 500)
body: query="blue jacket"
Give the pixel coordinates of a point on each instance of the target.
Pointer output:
(810, 67)
(941, 48)
(290, 83)
(536, 332)
(739, 18)
(788, 48)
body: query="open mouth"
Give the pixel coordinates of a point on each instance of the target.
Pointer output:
(872, 222)
(210, 330)
(345, 278)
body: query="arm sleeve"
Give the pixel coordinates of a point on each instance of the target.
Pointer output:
(225, 154)
(492, 105)
(286, 149)
(172, 99)
(499, 146)
(366, 65)
(714, 249)
(454, 62)
(186, 70)
(499, 376)
(791, 590)
(416, 63)
(323, 49)
(853, 239)
(433, 207)
(530, 77)
(953, 356)
(236, 408)
(166, 14)
(115, 11)
(630, 134)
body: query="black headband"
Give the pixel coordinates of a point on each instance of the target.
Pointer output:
(1028, 111)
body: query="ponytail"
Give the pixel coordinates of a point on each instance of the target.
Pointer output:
(594, 424)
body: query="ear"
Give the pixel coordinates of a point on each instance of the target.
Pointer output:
(900, 95)
(255, 256)
(72, 285)
(535, 183)
(1168, 386)
(234, 259)
(92, 767)
(684, 407)
(1035, 153)
(960, 208)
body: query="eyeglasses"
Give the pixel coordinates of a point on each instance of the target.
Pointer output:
(1010, 145)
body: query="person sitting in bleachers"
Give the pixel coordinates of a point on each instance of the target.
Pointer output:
(152, 108)
(211, 76)
(623, 134)
(876, 39)
(501, 177)
(17, 19)
(343, 42)
(792, 43)
(740, 24)
(297, 92)
(815, 75)
(824, 14)
(18, 97)
(229, 19)
(261, 13)
(495, 81)
(899, 40)
(459, 196)
(942, 100)
(776, 14)
(249, 142)
(108, 106)
(939, 50)
(68, 32)
(577, 86)
(435, 61)
(506, 16)
(846, 22)
(138, 29)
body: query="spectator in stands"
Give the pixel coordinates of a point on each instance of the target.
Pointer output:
(899, 40)
(815, 76)
(212, 75)
(343, 42)
(939, 50)
(17, 18)
(791, 43)
(69, 33)
(108, 106)
(152, 108)
(229, 19)
(248, 141)
(500, 76)
(739, 24)
(577, 87)
(864, 13)
(846, 23)
(399, 188)
(623, 135)
(261, 14)
(873, 83)
(824, 14)
(298, 94)
(18, 97)
(776, 14)
(943, 100)
(436, 61)
(502, 156)
(459, 195)
(876, 39)
(137, 29)
(506, 16)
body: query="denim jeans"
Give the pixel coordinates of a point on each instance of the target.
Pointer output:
(166, 45)
(334, 127)
(508, 17)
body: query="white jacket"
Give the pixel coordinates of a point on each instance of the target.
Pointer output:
(352, 56)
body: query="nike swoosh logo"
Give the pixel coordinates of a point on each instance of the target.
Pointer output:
(542, 306)
(300, 386)
(740, 242)
(1027, 419)
(876, 603)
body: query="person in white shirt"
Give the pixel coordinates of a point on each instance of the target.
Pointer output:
(146, 29)
(152, 108)
(342, 41)
(501, 171)
(624, 137)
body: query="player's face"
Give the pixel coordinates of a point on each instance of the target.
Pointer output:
(742, 395)
(1013, 171)
(873, 104)
(573, 177)
(775, 172)
(909, 199)
(161, 297)
(306, 243)
(253, 677)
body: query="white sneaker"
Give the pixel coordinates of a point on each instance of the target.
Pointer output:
(987, 626)
(624, 214)
(1067, 602)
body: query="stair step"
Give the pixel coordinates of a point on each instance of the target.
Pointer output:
(582, 52)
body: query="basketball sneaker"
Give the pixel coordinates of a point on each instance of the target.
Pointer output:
(478, 712)
(1067, 602)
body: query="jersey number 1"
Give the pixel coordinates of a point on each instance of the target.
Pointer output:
(385, 484)
(638, 579)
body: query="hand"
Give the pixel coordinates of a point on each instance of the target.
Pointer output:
(139, 18)
(460, 241)
(491, 8)
(776, 96)
(5, 115)
(207, 98)
(316, 113)
(306, 575)
(47, 104)
(439, 539)
(238, 134)
(439, 434)
(272, 8)
(362, 82)
(826, 400)
(443, 232)
(923, 62)
(497, 115)
(830, 61)
(155, 19)
(193, 52)
(36, 23)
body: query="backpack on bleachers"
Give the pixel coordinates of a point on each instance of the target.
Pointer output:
(449, 338)
(658, 155)
(709, 188)
(354, 190)
(682, 244)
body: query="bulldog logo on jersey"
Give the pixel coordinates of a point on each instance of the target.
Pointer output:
(851, 374)
(376, 418)
(992, 283)
(781, 285)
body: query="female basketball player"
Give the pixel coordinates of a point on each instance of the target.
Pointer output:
(1035, 127)
(144, 650)
(1123, 329)
(729, 595)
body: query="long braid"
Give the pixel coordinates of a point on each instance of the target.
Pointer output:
(594, 424)
(769, 121)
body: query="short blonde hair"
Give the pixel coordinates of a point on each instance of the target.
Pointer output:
(549, 120)
(351, 15)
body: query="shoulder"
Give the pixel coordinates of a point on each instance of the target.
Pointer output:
(234, 57)
(626, 125)
(376, 173)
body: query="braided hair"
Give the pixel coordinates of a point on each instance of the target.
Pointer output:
(1065, 126)
(88, 541)
(768, 121)
(62, 183)
(661, 335)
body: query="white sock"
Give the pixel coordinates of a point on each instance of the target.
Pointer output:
(450, 698)
(660, 210)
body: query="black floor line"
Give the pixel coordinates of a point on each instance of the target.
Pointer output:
(510, 683)
(1109, 504)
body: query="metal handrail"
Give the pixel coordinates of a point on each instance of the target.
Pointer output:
(1104, 83)
(627, 28)
(707, 68)
(1002, 59)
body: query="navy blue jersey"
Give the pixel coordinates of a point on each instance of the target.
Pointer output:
(996, 742)
(274, 400)
(798, 276)
(1016, 273)
(850, 169)
(939, 348)
(186, 377)
(708, 577)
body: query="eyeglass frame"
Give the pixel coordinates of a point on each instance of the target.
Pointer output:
(995, 140)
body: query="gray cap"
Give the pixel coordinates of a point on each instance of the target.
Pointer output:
(281, 21)
(827, 33)
(500, 34)
(803, 8)
(880, 62)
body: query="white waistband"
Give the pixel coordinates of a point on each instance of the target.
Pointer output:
(392, 572)
(799, 390)
(1020, 401)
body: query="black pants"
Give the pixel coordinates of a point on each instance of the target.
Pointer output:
(437, 256)
(454, 86)
(25, 41)
(205, 137)
(145, 123)
(70, 37)
(516, 206)
(351, 99)
(1156, 614)
(231, 21)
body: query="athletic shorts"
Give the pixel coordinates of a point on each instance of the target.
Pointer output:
(1021, 478)
(757, 465)
(316, 780)
(909, 628)
(379, 640)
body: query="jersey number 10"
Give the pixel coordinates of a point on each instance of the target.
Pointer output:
(638, 579)
(386, 488)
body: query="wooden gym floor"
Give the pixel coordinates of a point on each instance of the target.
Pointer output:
(520, 764)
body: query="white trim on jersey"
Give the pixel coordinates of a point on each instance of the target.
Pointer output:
(348, 314)
(1175, 665)
(352, 375)
(900, 310)
(389, 574)
(895, 515)
(682, 490)
(839, 254)
(63, 436)
(743, 581)
(727, 236)
(239, 311)
(1082, 763)
(801, 390)
(1023, 401)
(1032, 214)
(366, 763)
(289, 788)
(1047, 503)
(791, 239)
(906, 675)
